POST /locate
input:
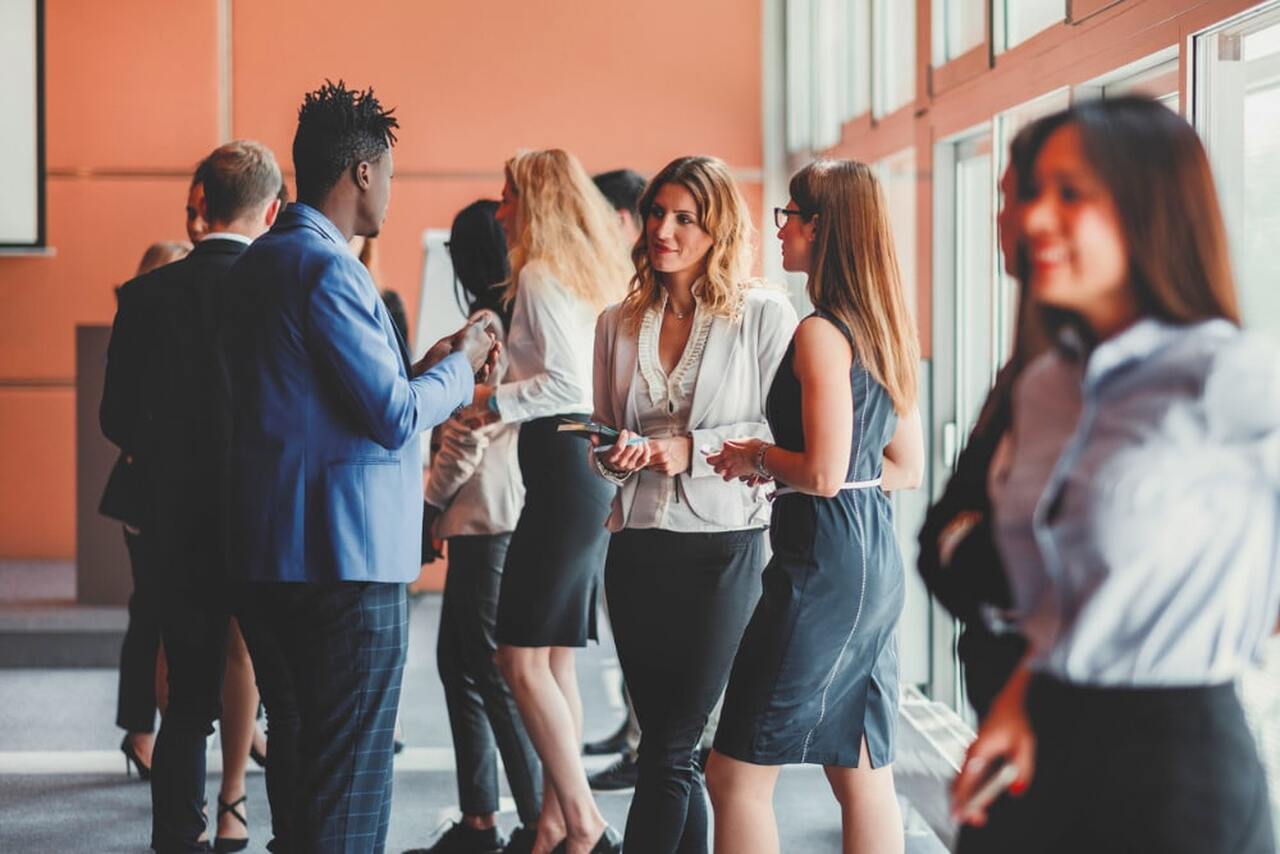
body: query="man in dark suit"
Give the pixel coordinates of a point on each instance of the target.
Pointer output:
(158, 404)
(325, 467)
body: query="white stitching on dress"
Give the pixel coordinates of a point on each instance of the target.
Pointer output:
(862, 594)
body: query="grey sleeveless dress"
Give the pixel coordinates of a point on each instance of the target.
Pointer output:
(818, 666)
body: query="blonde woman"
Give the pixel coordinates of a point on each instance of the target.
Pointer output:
(816, 677)
(685, 361)
(568, 261)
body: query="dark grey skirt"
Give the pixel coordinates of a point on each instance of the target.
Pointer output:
(1173, 770)
(551, 579)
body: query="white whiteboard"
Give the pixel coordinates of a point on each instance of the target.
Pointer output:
(20, 179)
(438, 312)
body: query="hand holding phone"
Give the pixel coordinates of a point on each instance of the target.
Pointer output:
(999, 778)
(1001, 757)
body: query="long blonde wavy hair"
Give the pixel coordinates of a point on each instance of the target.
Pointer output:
(854, 274)
(723, 215)
(566, 223)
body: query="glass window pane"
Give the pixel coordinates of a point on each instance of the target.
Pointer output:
(1156, 76)
(895, 55)
(1238, 113)
(958, 27)
(897, 175)
(859, 56)
(798, 59)
(975, 282)
(829, 83)
(1018, 20)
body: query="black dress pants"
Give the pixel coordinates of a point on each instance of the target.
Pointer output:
(1120, 770)
(280, 700)
(482, 713)
(343, 646)
(136, 700)
(194, 630)
(679, 603)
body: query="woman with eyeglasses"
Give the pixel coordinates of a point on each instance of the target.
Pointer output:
(816, 677)
(683, 363)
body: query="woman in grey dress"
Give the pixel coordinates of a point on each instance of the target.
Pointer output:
(816, 677)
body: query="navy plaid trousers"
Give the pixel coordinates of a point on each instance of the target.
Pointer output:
(343, 645)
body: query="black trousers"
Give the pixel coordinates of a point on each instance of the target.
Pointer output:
(342, 647)
(280, 700)
(482, 713)
(679, 604)
(136, 700)
(194, 630)
(1170, 770)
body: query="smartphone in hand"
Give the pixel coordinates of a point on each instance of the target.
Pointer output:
(999, 778)
(588, 429)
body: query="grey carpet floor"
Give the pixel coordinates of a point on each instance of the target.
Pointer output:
(62, 786)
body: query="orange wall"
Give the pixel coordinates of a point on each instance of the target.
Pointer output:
(135, 96)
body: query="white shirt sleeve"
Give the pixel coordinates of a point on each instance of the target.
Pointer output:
(550, 348)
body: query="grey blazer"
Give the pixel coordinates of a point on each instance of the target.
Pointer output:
(737, 368)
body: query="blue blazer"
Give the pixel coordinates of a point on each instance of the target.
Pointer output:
(324, 459)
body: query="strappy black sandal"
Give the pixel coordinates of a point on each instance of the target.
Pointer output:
(222, 844)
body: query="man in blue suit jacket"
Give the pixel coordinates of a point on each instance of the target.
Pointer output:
(325, 472)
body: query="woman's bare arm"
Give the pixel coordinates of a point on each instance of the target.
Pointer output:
(904, 455)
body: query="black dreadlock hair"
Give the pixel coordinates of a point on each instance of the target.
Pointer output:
(338, 128)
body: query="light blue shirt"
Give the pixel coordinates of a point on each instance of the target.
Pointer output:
(1138, 509)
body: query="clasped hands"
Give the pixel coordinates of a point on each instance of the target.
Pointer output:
(474, 340)
(669, 456)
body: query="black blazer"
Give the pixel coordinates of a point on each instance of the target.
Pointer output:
(160, 405)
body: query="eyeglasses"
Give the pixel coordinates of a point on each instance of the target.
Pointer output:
(780, 215)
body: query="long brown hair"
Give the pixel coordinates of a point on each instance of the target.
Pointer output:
(566, 224)
(1157, 173)
(854, 274)
(723, 214)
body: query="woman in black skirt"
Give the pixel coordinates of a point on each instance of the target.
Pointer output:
(568, 260)
(1137, 509)
(684, 361)
(816, 678)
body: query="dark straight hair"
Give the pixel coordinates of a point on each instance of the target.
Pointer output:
(478, 250)
(1157, 172)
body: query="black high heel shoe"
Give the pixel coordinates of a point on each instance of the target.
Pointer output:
(222, 844)
(132, 760)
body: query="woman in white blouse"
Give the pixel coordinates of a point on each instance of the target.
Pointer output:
(568, 260)
(1137, 509)
(684, 362)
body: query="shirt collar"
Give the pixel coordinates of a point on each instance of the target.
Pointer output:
(1143, 339)
(227, 235)
(319, 220)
